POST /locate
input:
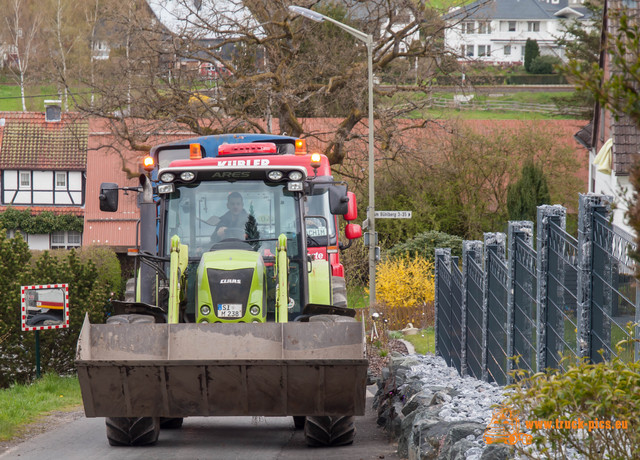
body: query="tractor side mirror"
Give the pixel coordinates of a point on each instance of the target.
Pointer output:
(338, 199)
(353, 231)
(108, 197)
(352, 213)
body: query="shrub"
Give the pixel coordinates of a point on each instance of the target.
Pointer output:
(89, 291)
(544, 65)
(405, 288)
(424, 245)
(606, 391)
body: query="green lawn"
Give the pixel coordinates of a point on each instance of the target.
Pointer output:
(24, 404)
(481, 114)
(10, 97)
(423, 341)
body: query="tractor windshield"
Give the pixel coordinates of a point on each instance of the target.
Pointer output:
(205, 213)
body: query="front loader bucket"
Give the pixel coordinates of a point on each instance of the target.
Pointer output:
(178, 370)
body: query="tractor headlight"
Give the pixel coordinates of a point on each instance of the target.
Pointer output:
(187, 176)
(205, 310)
(254, 310)
(167, 177)
(275, 175)
(294, 186)
(165, 188)
(295, 175)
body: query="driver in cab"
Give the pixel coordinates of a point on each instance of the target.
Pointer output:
(232, 223)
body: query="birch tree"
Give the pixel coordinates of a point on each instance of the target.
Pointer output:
(22, 28)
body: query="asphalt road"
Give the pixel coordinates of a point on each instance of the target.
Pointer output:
(207, 438)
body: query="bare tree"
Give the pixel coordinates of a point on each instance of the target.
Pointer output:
(23, 25)
(64, 33)
(231, 65)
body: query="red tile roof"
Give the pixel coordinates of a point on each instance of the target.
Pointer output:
(30, 142)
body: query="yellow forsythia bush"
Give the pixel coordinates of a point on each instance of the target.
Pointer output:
(405, 282)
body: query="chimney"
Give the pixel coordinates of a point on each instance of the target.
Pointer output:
(52, 110)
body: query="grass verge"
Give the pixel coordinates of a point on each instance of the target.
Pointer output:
(423, 341)
(357, 297)
(24, 404)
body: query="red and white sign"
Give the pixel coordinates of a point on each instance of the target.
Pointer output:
(44, 307)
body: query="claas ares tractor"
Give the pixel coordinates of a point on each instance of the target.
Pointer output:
(232, 314)
(322, 231)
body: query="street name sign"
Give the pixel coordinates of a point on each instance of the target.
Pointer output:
(393, 214)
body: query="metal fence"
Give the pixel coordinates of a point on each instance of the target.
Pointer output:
(532, 302)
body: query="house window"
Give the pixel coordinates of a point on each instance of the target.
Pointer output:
(469, 50)
(484, 50)
(61, 179)
(512, 26)
(533, 26)
(467, 27)
(25, 179)
(66, 240)
(507, 50)
(484, 27)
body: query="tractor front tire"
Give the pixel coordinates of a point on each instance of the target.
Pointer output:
(130, 319)
(132, 431)
(324, 431)
(135, 431)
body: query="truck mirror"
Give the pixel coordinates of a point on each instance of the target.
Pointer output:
(338, 199)
(108, 197)
(353, 231)
(352, 213)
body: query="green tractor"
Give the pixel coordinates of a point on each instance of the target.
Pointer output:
(231, 316)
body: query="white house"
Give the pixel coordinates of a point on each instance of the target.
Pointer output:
(43, 160)
(613, 141)
(497, 31)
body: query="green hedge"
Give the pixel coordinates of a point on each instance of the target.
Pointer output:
(553, 79)
(90, 287)
(44, 222)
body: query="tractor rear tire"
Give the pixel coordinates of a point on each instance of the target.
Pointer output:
(324, 431)
(339, 291)
(136, 431)
(298, 421)
(171, 423)
(130, 290)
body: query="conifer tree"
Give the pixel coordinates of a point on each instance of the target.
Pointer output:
(531, 51)
(529, 192)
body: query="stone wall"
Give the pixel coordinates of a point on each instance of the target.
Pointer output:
(434, 413)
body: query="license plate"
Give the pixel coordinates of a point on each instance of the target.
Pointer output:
(229, 310)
